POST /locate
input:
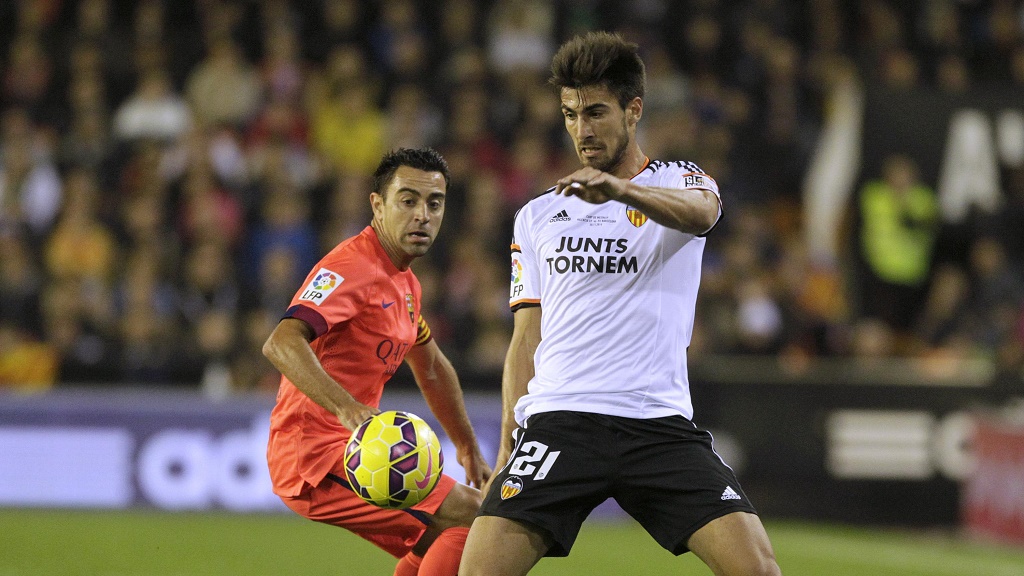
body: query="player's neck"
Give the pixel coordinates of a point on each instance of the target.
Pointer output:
(633, 161)
(398, 257)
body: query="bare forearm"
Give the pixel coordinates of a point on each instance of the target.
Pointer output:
(292, 355)
(443, 393)
(689, 211)
(515, 379)
(693, 210)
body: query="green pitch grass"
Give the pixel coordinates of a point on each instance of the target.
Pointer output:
(36, 543)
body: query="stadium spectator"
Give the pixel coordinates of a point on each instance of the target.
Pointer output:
(80, 325)
(21, 280)
(207, 210)
(87, 142)
(28, 75)
(346, 212)
(250, 370)
(341, 22)
(520, 37)
(150, 348)
(996, 293)
(30, 187)
(413, 121)
(898, 229)
(153, 111)
(282, 71)
(349, 129)
(945, 315)
(81, 246)
(224, 89)
(285, 225)
(215, 342)
(208, 282)
(25, 362)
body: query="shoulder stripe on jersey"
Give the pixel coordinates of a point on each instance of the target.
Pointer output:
(315, 320)
(422, 333)
(655, 165)
(516, 248)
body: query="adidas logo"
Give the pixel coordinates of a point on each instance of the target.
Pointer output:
(562, 216)
(730, 494)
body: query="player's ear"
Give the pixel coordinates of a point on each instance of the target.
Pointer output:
(634, 110)
(377, 204)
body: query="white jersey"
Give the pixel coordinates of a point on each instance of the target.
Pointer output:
(618, 293)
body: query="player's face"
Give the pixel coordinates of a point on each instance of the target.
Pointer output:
(600, 128)
(408, 215)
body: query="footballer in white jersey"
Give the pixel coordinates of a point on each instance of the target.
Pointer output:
(572, 258)
(595, 395)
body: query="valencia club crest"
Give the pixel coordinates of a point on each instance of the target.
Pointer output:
(635, 217)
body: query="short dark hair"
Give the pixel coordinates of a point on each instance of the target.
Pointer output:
(600, 58)
(426, 159)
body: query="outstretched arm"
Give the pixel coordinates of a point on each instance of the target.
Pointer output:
(289, 351)
(519, 369)
(440, 386)
(690, 210)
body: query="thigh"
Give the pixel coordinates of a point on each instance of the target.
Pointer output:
(673, 482)
(521, 546)
(735, 544)
(559, 472)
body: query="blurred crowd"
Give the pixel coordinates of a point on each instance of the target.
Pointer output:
(171, 170)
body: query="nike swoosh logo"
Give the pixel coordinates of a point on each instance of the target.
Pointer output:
(386, 305)
(430, 468)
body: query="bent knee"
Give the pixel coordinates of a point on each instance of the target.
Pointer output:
(460, 507)
(468, 506)
(764, 565)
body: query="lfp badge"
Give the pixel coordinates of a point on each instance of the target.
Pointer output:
(321, 286)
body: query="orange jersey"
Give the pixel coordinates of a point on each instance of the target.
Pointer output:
(365, 314)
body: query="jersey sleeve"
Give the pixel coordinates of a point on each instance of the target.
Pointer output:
(691, 177)
(525, 281)
(329, 297)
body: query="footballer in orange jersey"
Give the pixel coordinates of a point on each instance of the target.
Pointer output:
(349, 327)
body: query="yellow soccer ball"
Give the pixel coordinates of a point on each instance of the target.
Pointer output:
(393, 460)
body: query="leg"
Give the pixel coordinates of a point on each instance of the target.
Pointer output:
(445, 554)
(439, 550)
(735, 545)
(408, 565)
(458, 509)
(536, 504)
(520, 548)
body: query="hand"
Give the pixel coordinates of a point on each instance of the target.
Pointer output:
(354, 414)
(504, 454)
(478, 472)
(591, 185)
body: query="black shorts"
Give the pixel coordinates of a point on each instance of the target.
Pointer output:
(664, 472)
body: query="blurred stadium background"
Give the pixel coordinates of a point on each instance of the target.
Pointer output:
(170, 170)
